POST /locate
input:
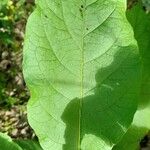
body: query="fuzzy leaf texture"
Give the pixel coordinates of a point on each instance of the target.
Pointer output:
(81, 64)
(140, 22)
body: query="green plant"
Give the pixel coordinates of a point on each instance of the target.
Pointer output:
(141, 122)
(86, 75)
(6, 143)
(13, 15)
(11, 12)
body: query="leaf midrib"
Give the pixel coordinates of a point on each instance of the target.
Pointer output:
(82, 64)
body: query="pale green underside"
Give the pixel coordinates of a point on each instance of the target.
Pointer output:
(82, 67)
(141, 123)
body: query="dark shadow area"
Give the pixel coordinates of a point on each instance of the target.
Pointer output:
(145, 141)
(109, 111)
(143, 40)
(135, 138)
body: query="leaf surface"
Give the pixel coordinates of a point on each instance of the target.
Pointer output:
(28, 144)
(141, 123)
(6, 143)
(81, 64)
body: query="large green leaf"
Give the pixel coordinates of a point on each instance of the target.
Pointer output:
(28, 144)
(82, 67)
(6, 143)
(141, 123)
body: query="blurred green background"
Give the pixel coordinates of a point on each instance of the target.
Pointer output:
(13, 18)
(13, 92)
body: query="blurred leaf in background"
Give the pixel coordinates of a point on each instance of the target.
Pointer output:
(6, 143)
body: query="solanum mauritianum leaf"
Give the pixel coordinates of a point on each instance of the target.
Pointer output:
(141, 123)
(81, 64)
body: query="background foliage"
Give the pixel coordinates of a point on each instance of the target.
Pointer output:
(13, 92)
